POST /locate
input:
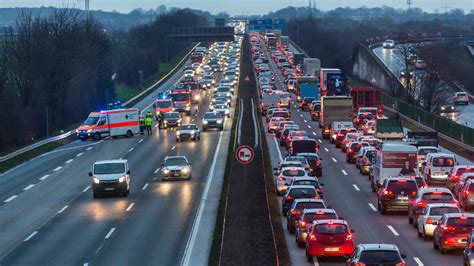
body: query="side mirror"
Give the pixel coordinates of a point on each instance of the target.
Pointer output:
(189, 164)
(321, 184)
(162, 165)
(329, 207)
(90, 173)
(286, 184)
(128, 172)
(353, 231)
(320, 159)
(404, 256)
(275, 168)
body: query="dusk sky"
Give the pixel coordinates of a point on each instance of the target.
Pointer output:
(238, 7)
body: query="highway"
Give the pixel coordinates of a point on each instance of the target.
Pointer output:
(49, 217)
(349, 193)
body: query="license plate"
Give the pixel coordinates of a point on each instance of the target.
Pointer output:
(403, 197)
(109, 189)
(175, 174)
(331, 249)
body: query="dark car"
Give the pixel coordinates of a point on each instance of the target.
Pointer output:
(466, 195)
(376, 254)
(396, 193)
(297, 208)
(315, 168)
(212, 120)
(172, 119)
(342, 134)
(306, 101)
(284, 135)
(315, 111)
(452, 231)
(468, 254)
(309, 181)
(353, 150)
(297, 192)
(303, 145)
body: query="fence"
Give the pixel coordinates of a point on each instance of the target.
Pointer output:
(440, 124)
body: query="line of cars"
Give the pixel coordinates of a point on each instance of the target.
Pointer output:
(114, 176)
(317, 227)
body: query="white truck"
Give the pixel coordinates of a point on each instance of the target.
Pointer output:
(393, 159)
(285, 41)
(311, 66)
(113, 123)
(334, 108)
(323, 74)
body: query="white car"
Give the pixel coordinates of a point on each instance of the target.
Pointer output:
(461, 98)
(188, 131)
(286, 175)
(388, 44)
(222, 109)
(432, 213)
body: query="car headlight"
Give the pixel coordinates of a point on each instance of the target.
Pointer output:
(122, 179)
(226, 111)
(452, 107)
(178, 133)
(166, 171)
(185, 170)
(96, 180)
(442, 108)
(193, 132)
(219, 121)
(89, 131)
(166, 121)
(204, 122)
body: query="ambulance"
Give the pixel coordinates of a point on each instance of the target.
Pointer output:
(113, 123)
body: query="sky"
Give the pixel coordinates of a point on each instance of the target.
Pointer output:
(238, 7)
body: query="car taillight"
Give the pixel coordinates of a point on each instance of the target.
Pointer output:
(303, 224)
(283, 137)
(271, 124)
(262, 104)
(456, 178)
(455, 203)
(312, 237)
(288, 197)
(340, 135)
(399, 264)
(466, 192)
(281, 178)
(364, 160)
(424, 186)
(428, 221)
(347, 140)
(387, 192)
(421, 204)
(318, 163)
(349, 237)
(448, 229)
(296, 212)
(349, 150)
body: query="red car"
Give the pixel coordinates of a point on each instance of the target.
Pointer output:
(329, 238)
(452, 231)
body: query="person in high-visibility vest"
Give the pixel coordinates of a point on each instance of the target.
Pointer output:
(149, 114)
(141, 123)
(148, 124)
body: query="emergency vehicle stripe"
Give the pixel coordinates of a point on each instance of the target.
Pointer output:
(120, 111)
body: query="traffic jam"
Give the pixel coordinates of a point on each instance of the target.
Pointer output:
(206, 86)
(414, 181)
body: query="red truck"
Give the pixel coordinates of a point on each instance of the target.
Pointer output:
(367, 97)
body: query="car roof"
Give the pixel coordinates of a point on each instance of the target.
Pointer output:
(309, 178)
(325, 221)
(434, 189)
(189, 125)
(427, 147)
(378, 246)
(307, 154)
(400, 178)
(457, 215)
(327, 210)
(435, 205)
(440, 154)
(292, 168)
(301, 186)
(111, 161)
(175, 157)
(309, 200)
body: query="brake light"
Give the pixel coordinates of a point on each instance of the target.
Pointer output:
(340, 135)
(347, 140)
(271, 124)
(312, 237)
(349, 237)
(448, 229)
(466, 192)
(296, 212)
(424, 186)
(283, 137)
(456, 178)
(281, 178)
(262, 104)
(288, 197)
(421, 204)
(349, 150)
(463, 218)
(455, 203)
(437, 192)
(318, 163)
(387, 192)
(303, 224)
(428, 221)
(401, 181)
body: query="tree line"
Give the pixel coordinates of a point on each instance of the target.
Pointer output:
(56, 68)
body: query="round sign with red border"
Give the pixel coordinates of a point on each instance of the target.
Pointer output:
(244, 154)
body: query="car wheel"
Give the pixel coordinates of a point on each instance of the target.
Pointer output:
(97, 136)
(383, 210)
(129, 134)
(410, 219)
(435, 246)
(309, 258)
(300, 244)
(425, 237)
(94, 195)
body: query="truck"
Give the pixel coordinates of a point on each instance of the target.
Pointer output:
(311, 66)
(285, 41)
(389, 129)
(298, 59)
(422, 138)
(367, 97)
(336, 85)
(306, 86)
(390, 159)
(334, 108)
(181, 99)
(110, 123)
(271, 39)
(323, 73)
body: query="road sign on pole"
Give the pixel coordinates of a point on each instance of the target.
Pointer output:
(280, 24)
(244, 154)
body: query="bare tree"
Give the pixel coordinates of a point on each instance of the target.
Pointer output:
(433, 92)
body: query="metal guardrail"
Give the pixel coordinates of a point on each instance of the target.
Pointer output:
(159, 82)
(36, 145)
(142, 94)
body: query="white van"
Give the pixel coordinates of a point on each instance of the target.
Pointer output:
(437, 166)
(336, 126)
(393, 159)
(112, 176)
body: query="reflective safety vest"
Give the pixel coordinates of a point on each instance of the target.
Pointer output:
(148, 121)
(141, 121)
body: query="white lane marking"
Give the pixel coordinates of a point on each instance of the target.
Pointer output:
(140, 141)
(334, 159)
(107, 236)
(130, 150)
(87, 188)
(356, 187)
(69, 161)
(30, 236)
(130, 207)
(197, 221)
(418, 261)
(372, 207)
(28, 187)
(145, 186)
(344, 172)
(174, 147)
(254, 124)
(63, 209)
(240, 120)
(44, 177)
(301, 115)
(309, 126)
(57, 168)
(85, 264)
(278, 149)
(314, 133)
(305, 120)
(320, 141)
(79, 154)
(393, 230)
(10, 198)
(90, 148)
(315, 261)
(326, 149)
(157, 170)
(192, 120)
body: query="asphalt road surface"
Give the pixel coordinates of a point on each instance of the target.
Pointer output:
(349, 193)
(48, 215)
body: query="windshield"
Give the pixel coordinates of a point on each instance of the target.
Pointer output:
(91, 120)
(109, 168)
(382, 257)
(175, 162)
(212, 116)
(309, 217)
(443, 162)
(163, 104)
(437, 197)
(403, 187)
(331, 229)
(180, 96)
(221, 106)
(293, 172)
(461, 222)
(300, 192)
(426, 151)
(171, 115)
(223, 89)
(187, 127)
(306, 182)
(310, 205)
(442, 210)
(208, 77)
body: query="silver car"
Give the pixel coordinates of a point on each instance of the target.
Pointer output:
(222, 109)
(188, 131)
(432, 213)
(175, 167)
